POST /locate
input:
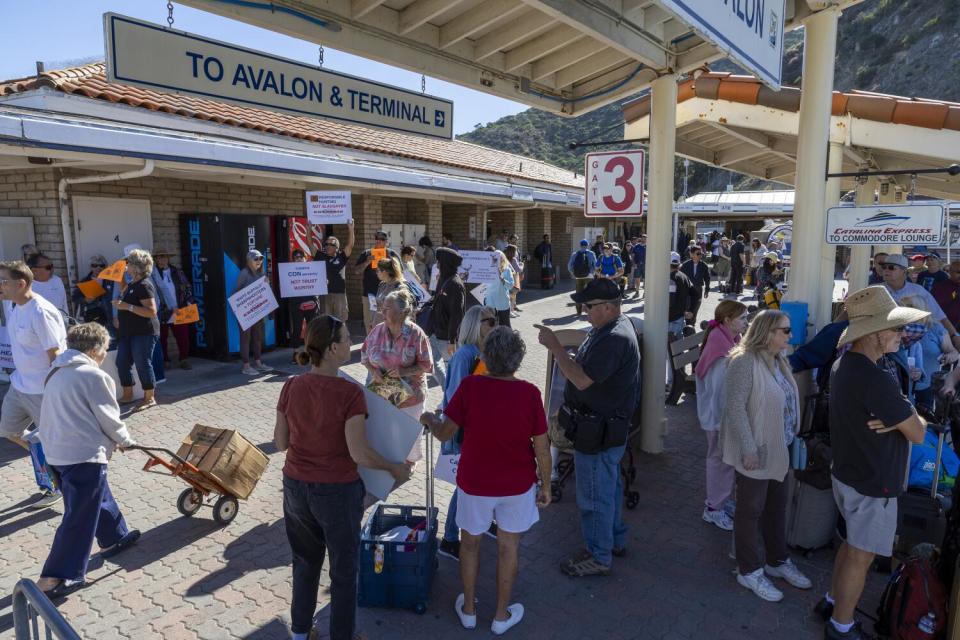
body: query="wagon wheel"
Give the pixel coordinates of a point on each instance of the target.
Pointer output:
(189, 502)
(225, 510)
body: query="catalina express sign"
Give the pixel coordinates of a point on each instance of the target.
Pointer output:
(153, 57)
(886, 224)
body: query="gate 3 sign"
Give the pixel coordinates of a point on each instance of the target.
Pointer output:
(147, 55)
(614, 183)
(896, 224)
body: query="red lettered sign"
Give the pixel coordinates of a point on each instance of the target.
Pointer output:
(614, 183)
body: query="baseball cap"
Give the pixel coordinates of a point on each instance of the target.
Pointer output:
(598, 289)
(380, 235)
(918, 256)
(674, 257)
(584, 243)
(898, 259)
(253, 254)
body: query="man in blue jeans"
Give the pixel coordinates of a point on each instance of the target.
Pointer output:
(603, 385)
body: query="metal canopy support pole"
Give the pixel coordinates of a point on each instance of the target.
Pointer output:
(860, 253)
(663, 138)
(828, 252)
(809, 217)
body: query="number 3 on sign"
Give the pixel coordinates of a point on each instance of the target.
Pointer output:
(614, 183)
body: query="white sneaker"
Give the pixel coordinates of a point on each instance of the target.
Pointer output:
(468, 621)
(789, 572)
(249, 371)
(500, 627)
(760, 585)
(719, 518)
(262, 367)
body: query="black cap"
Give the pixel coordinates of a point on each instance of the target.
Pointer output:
(597, 289)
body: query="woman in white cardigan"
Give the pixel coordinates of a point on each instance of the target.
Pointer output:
(80, 427)
(760, 420)
(724, 331)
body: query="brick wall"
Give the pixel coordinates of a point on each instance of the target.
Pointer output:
(456, 222)
(34, 194)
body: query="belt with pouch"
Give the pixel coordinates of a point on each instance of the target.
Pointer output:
(591, 432)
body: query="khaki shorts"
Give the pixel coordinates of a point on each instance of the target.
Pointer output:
(871, 522)
(335, 304)
(18, 412)
(368, 315)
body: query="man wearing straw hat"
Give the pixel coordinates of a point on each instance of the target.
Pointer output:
(871, 426)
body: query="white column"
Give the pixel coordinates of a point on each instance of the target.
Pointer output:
(809, 215)
(860, 253)
(828, 252)
(663, 132)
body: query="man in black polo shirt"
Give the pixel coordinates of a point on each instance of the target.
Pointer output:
(601, 395)
(699, 275)
(366, 263)
(335, 302)
(871, 426)
(736, 265)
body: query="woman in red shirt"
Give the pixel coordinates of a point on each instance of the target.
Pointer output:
(320, 424)
(494, 440)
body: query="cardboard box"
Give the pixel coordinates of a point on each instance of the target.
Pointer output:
(235, 462)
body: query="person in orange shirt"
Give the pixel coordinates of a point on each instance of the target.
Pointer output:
(477, 322)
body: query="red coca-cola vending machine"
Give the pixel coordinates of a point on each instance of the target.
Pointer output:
(293, 233)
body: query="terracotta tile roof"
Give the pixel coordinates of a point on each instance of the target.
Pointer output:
(90, 81)
(917, 112)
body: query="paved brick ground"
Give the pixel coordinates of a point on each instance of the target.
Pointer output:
(188, 578)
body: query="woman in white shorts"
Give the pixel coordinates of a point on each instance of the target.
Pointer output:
(515, 445)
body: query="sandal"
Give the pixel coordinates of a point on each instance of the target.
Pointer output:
(584, 564)
(143, 406)
(126, 541)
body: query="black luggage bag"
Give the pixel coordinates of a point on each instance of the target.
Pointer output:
(920, 514)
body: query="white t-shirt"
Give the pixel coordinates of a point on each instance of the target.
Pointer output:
(34, 328)
(54, 292)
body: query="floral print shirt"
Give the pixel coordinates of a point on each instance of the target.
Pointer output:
(411, 347)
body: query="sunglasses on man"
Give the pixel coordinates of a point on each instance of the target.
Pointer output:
(890, 267)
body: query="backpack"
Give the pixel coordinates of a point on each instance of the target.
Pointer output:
(581, 265)
(913, 604)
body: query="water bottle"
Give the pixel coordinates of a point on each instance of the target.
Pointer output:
(928, 623)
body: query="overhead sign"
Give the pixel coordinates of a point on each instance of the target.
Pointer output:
(749, 31)
(148, 55)
(329, 207)
(253, 303)
(299, 279)
(614, 183)
(885, 224)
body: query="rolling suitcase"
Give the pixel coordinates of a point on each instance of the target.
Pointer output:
(920, 514)
(811, 516)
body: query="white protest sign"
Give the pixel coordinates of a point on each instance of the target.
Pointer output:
(479, 267)
(749, 31)
(434, 278)
(885, 224)
(329, 207)
(479, 293)
(298, 279)
(6, 350)
(391, 433)
(446, 469)
(252, 303)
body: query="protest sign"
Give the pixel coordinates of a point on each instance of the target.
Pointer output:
(115, 271)
(391, 433)
(446, 468)
(434, 278)
(376, 255)
(298, 279)
(329, 207)
(253, 303)
(479, 267)
(6, 349)
(186, 315)
(91, 289)
(479, 292)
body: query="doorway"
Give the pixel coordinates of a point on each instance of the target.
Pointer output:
(105, 226)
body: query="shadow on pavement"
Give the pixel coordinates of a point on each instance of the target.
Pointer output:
(36, 517)
(263, 547)
(275, 629)
(10, 452)
(157, 543)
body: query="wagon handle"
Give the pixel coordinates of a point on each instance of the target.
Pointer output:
(150, 451)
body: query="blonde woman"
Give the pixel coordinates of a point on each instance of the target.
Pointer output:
(760, 420)
(936, 349)
(498, 293)
(138, 328)
(390, 275)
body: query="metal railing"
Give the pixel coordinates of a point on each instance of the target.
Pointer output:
(30, 606)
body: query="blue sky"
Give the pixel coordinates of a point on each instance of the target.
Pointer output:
(60, 32)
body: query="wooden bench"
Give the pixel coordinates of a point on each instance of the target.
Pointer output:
(684, 353)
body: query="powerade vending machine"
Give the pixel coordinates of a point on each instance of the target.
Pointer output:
(292, 233)
(215, 250)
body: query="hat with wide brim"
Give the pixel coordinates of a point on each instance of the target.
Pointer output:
(872, 310)
(162, 251)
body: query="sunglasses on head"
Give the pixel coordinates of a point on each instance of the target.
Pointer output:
(335, 328)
